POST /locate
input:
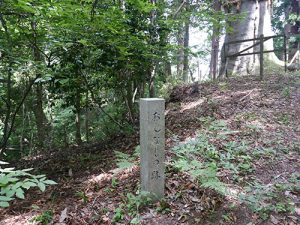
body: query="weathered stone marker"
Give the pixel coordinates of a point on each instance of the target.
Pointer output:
(152, 142)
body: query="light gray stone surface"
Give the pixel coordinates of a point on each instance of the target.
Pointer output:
(152, 142)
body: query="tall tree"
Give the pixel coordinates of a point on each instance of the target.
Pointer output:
(182, 15)
(42, 124)
(257, 21)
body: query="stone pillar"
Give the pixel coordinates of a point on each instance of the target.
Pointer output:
(152, 142)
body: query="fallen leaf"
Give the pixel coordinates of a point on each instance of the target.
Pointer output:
(197, 200)
(63, 215)
(297, 210)
(274, 220)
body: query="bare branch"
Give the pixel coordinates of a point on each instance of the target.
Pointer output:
(179, 9)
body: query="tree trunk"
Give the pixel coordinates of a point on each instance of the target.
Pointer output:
(168, 69)
(128, 100)
(40, 117)
(154, 34)
(78, 119)
(257, 21)
(186, 40)
(8, 103)
(87, 131)
(41, 120)
(180, 51)
(151, 82)
(293, 27)
(215, 44)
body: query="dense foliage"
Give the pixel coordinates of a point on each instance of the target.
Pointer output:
(72, 71)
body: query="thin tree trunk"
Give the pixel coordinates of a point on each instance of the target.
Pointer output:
(128, 99)
(22, 130)
(186, 40)
(180, 52)
(77, 118)
(151, 82)
(153, 33)
(168, 69)
(215, 43)
(7, 126)
(87, 132)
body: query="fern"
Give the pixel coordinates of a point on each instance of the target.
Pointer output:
(125, 161)
(204, 172)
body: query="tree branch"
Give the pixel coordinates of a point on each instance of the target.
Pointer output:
(13, 118)
(100, 107)
(179, 9)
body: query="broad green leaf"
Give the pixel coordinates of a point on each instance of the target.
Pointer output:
(4, 180)
(50, 182)
(10, 193)
(4, 204)
(41, 186)
(5, 198)
(20, 193)
(28, 185)
(12, 179)
(63, 81)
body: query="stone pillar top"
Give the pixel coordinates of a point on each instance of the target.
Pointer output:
(152, 99)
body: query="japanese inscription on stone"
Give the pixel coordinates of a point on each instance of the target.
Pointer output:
(152, 141)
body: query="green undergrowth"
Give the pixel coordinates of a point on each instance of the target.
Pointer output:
(217, 152)
(211, 153)
(218, 158)
(44, 218)
(266, 199)
(14, 183)
(131, 206)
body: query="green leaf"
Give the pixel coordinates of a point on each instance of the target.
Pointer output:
(5, 198)
(10, 193)
(4, 204)
(3, 180)
(135, 220)
(42, 186)
(20, 193)
(50, 182)
(63, 81)
(28, 185)
(40, 176)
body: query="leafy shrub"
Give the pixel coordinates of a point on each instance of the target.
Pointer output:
(13, 183)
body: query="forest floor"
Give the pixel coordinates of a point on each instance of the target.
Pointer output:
(250, 130)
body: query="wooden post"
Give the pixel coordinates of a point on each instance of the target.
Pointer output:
(152, 142)
(285, 52)
(261, 57)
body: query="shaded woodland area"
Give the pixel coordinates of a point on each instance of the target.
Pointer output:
(71, 76)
